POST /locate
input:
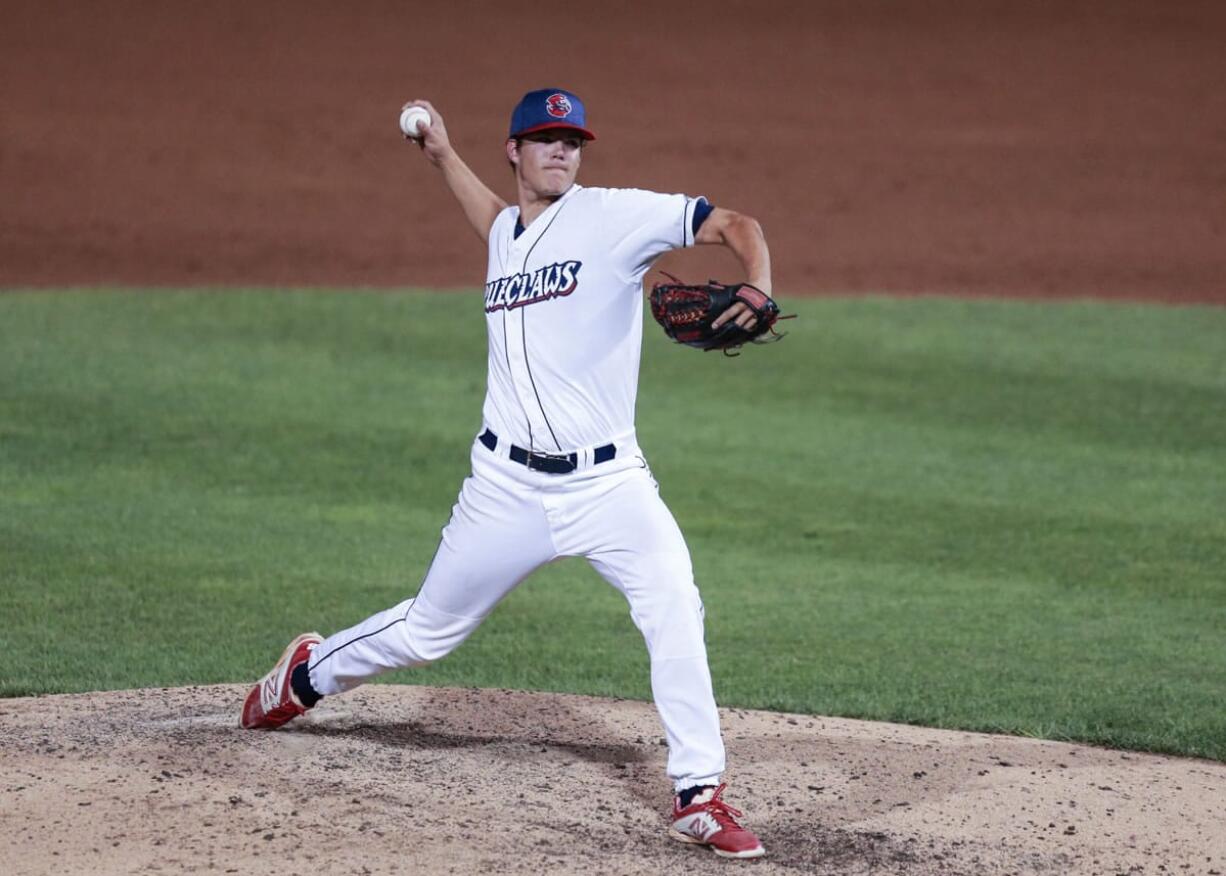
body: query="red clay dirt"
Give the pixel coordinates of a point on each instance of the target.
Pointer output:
(987, 148)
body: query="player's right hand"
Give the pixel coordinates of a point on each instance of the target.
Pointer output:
(434, 143)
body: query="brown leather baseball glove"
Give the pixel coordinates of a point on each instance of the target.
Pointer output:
(687, 313)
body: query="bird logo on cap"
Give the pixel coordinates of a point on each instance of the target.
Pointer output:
(558, 105)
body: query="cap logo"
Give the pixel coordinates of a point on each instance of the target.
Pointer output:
(558, 105)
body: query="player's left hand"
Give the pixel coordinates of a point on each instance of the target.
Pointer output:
(741, 313)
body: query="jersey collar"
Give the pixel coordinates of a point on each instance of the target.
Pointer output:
(522, 234)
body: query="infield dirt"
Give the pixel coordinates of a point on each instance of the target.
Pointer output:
(1062, 148)
(399, 779)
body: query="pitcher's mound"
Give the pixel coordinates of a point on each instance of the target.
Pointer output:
(394, 779)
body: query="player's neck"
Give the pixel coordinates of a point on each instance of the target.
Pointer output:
(533, 204)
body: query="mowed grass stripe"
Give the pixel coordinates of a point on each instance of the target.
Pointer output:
(979, 514)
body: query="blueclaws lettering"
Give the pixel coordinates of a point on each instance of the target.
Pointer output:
(517, 290)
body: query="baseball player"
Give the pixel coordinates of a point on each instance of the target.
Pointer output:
(556, 468)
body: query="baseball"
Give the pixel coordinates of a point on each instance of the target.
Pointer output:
(413, 119)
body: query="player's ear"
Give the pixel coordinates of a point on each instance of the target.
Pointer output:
(513, 152)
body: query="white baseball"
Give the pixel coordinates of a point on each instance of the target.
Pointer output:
(413, 121)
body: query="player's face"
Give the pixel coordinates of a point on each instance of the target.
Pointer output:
(548, 161)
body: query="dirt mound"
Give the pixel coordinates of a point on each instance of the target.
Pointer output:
(399, 779)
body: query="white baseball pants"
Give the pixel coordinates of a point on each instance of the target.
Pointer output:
(509, 521)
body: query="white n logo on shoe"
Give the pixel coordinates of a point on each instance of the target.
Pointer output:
(269, 693)
(701, 826)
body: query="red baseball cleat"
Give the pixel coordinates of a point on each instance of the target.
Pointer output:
(271, 702)
(712, 822)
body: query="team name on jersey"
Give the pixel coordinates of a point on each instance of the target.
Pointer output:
(518, 290)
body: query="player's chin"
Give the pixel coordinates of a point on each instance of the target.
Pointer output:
(557, 183)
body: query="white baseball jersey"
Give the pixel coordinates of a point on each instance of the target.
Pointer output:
(563, 303)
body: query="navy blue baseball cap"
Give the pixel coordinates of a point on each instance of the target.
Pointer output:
(548, 108)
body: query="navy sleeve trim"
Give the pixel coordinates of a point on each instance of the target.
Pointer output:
(702, 209)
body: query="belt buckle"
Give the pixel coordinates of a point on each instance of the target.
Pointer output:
(551, 463)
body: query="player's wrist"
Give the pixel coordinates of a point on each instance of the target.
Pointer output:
(445, 158)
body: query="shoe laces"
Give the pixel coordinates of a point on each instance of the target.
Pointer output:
(725, 814)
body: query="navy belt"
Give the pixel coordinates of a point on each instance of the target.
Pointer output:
(552, 463)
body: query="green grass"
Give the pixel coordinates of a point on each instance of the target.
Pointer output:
(986, 515)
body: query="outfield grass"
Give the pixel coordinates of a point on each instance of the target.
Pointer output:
(986, 515)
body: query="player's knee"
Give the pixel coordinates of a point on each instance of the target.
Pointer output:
(672, 622)
(430, 645)
(429, 652)
(432, 635)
